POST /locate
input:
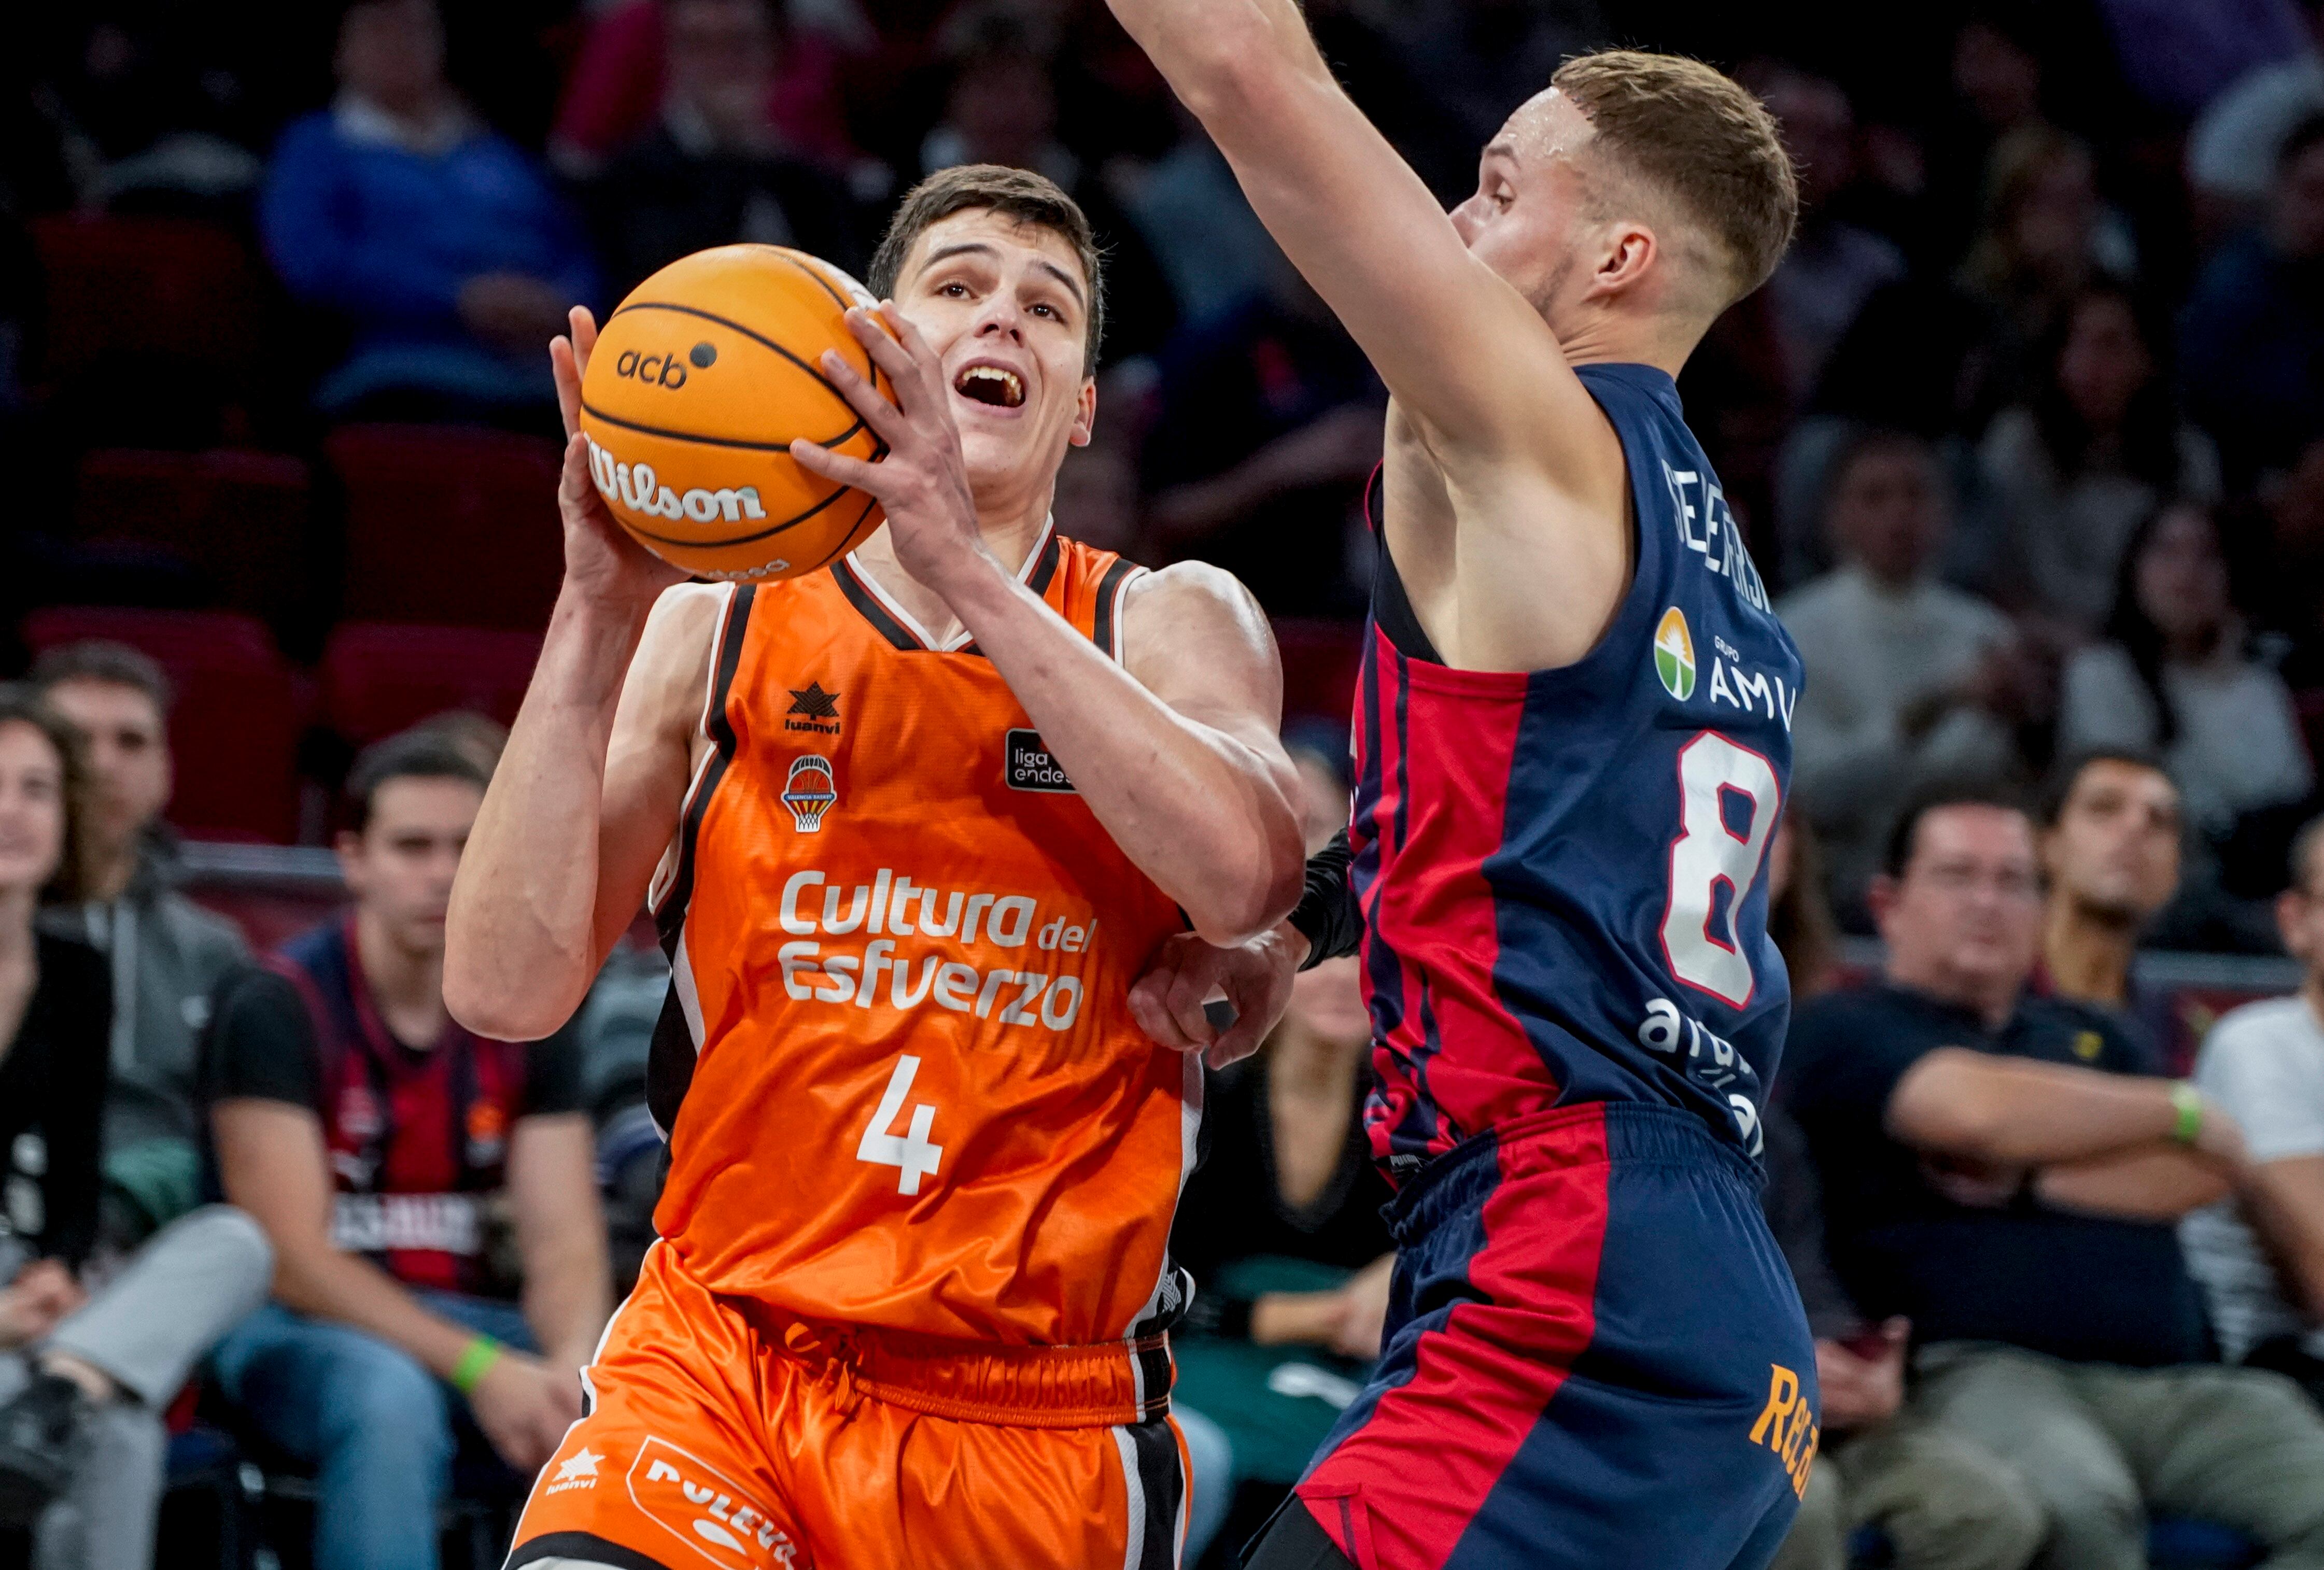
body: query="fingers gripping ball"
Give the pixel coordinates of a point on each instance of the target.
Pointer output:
(693, 394)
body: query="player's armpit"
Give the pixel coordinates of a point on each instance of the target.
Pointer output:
(1457, 344)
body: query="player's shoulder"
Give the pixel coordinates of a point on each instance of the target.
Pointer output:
(1189, 599)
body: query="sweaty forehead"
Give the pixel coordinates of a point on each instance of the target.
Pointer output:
(1547, 125)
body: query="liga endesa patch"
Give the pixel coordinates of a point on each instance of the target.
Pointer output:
(705, 1509)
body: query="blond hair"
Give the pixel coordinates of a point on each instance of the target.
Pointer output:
(1702, 139)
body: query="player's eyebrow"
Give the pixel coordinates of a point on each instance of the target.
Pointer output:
(980, 248)
(1502, 148)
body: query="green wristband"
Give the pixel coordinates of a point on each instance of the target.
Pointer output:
(474, 1363)
(2189, 1101)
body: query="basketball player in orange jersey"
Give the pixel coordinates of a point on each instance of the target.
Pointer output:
(1572, 739)
(912, 825)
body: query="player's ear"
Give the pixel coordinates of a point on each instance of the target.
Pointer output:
(1630, 249)
(1084, 414)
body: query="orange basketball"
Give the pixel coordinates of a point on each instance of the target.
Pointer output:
(697, 384)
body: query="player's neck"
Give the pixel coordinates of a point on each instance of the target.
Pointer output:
(2087, 953)
(1011, 533)
(1604, 338)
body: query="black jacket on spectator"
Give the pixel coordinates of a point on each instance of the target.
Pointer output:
(2072, 1286)
(53, 1103)
(656, 202)
(1233, 1206)
(1793, 1200)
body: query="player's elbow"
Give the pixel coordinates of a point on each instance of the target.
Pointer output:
(1251, 899)
(485, 1006)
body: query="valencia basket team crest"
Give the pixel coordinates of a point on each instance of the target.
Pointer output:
(808, 791)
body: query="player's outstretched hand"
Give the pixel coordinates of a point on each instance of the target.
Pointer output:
(601, 558)
(524, 1406)
(1254, 977)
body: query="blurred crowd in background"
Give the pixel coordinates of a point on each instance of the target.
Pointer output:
(2026, 433)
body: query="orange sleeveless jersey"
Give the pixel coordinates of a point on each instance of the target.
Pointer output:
(897, 1070)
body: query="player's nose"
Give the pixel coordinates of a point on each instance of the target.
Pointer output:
(1000, 319)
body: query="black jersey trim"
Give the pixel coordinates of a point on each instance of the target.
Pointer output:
(1391, 606)
(899, 635)
(1046, 568)
(866, 605)
(1161, 1484)
(669, 917)
(580, 1548)
(1105, 632)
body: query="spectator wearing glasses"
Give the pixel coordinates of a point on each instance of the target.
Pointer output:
(89, 1358)
(2263, 1261)
(1998, 1169)
(335, 1075)
(166, 953)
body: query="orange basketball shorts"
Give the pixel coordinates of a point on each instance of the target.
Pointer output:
(720, 1437)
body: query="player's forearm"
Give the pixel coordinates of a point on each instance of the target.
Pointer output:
(1202, 48)
(522, 937)
(1197, 811)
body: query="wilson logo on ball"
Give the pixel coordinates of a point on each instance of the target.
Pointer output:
(634, 486)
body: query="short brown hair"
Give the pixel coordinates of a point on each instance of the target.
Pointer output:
(1016, 193)
(104, 661)
(1702, 138)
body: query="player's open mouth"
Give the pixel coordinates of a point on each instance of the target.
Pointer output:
(994, 384)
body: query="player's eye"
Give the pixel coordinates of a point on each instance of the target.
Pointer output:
(954, 290)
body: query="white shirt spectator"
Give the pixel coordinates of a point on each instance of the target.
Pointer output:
(2239, 745)
(2231, 153)
(2067, 536)
(2265, 1063)
(1872, 652)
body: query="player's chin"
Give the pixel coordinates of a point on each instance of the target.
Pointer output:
(996, 455)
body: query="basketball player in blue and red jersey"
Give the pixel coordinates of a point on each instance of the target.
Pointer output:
(1572, 739)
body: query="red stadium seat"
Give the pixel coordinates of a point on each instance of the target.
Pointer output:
(239, 517)
(148, 288)
(378, 677)
(1320, 659)
(236, 727)
(449, 524)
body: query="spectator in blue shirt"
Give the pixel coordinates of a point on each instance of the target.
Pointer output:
(440, 243)
(1996, 1167)
(2252, 338)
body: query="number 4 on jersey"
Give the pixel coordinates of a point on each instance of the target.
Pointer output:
(1708, 852)
(909, 1152)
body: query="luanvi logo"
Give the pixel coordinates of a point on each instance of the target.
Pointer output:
(812, 709)
(1029, 766)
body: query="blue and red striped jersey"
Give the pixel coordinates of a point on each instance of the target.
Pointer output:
(1563, 871)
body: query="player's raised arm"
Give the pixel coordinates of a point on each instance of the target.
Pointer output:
(588, 791)
(1458, 346)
